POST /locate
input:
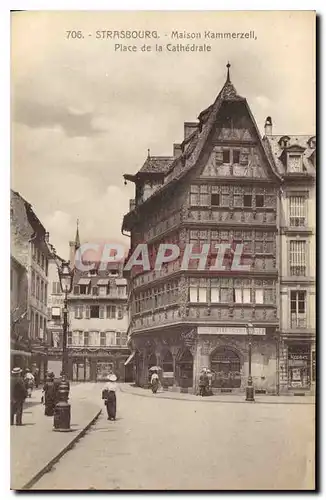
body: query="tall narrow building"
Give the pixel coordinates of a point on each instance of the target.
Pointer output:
(98, 320)
(294, 156)
(219, 188)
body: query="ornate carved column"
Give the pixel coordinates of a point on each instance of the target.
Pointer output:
(174, 351)
(183, 296)
(190, 341)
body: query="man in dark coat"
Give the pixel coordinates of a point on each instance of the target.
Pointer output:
(18, 394)
(50, 395)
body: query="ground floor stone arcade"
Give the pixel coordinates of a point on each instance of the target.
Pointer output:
(182, 355)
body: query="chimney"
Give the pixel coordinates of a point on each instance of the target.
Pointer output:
(268, 126)
(177, 150)
(189, 128)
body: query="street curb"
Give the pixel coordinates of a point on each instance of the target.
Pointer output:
(54, 460)
(207, 400)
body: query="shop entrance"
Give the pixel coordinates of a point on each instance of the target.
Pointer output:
(185, 369)
(299, 366)
(225, 364)
(81, 370)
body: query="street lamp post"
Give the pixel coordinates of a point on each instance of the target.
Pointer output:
(62, 409)
(250, 395)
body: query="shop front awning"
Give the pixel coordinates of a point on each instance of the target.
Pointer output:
(131, 357)
(17, 352)
(84, 281)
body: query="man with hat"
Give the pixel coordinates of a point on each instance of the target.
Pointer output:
(18, 394)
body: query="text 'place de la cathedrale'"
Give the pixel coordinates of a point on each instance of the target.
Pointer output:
(225, 183)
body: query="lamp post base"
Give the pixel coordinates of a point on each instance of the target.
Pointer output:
(250, 393)
(62, 415)
(62, 411)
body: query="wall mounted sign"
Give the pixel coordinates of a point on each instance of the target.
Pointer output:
(221, 330)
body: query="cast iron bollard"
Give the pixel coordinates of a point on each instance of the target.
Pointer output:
(250, 394)
(61, 421)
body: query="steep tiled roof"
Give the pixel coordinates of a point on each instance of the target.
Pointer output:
(157, 164)
(192, 149)
(101, 274)
(274, 150)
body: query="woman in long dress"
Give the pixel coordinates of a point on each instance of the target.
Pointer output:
(110, 397)
(155, 382)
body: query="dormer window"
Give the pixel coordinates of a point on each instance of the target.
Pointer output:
(312, 142)
(92, 272)
(284, 141)
(294, 163)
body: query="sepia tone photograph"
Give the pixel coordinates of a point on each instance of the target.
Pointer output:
(163, 251)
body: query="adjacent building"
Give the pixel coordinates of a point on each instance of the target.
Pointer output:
(55, 315)
(30, 252)
(294, 156)
(219, 187)
(98, 322)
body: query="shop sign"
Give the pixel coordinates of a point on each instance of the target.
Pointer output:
(299, 356)
(221, 330)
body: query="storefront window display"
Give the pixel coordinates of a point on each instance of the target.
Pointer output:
(299, 366)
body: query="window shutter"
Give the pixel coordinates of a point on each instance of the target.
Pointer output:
(120, 313)
(94, 290)
(76, 290)
(87, 312)
(101, 312)
(54, 287)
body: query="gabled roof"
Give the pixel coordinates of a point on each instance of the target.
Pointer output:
(157, 164)
(298, 142)
(194, 145)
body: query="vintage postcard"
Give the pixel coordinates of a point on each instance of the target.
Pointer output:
(163, 223)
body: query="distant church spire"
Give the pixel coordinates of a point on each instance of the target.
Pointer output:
(77, 239)
(228, 73)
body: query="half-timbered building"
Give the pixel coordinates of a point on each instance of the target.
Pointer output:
(219, 187)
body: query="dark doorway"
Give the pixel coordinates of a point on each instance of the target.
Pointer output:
(225, 363)
(185, 369)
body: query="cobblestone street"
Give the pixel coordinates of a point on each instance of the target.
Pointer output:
(169, 444)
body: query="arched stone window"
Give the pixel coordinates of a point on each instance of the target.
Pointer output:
(152, 361)
(167, 362)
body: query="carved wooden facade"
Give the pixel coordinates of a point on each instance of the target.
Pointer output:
(221, 190)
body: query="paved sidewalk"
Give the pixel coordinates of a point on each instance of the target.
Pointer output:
(35, 444)
(220, 398)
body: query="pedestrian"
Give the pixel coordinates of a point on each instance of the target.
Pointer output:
(37, 377)
(109, 396)
(203, 383)
(18, 394)
(50, 395)
(29, 382)
(155, 381)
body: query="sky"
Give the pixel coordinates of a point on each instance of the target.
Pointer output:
(83, 113)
